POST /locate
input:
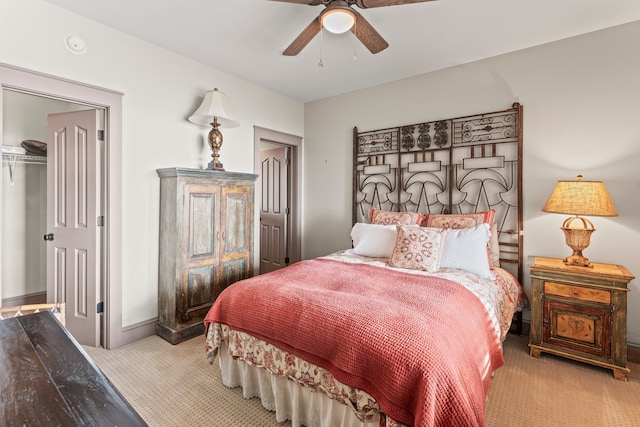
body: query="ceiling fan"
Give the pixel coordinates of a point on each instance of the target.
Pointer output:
(338, 17)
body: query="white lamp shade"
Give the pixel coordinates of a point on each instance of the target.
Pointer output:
(338, 21)
(213, 105)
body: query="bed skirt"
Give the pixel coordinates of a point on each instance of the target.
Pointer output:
(288, 400)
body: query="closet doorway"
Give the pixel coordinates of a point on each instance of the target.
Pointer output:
(51, 198)
(21, 80)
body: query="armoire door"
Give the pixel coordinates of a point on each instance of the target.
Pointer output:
(236, 226)
(73, 206)
(200, 234)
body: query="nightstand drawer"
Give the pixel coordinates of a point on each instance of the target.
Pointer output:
(577, 292)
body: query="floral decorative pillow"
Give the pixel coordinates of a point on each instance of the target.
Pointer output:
(468, 220)
(418, 248)
(377, 216)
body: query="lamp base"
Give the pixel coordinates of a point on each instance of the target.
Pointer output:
(577, 239)
(215, 142)
(215, 166)
(578, 260)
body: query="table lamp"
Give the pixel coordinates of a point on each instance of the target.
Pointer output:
(577, 198)
(214, 111)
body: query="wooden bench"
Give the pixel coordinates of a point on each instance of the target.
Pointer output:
(46, 378)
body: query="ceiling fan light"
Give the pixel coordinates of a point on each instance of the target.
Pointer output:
(338, 21)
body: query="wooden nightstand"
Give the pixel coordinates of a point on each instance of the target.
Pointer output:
(580, 312)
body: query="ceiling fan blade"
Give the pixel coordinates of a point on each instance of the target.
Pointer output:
(304, 38)
(309, 2)
(368, 35)
(368, 4)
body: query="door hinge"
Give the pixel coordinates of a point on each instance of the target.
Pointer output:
(100, 307)
(100, 221)
(287, 260)
(287, 211)
(100, 135)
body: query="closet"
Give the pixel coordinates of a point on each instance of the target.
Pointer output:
(24, 197)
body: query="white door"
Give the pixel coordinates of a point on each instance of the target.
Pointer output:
(73, 207)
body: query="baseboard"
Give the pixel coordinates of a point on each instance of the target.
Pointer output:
(138, 331)
(526, 327)
(633, 354)
(35, 298)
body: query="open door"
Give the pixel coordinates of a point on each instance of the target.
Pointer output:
(274, 210)
(73, 218)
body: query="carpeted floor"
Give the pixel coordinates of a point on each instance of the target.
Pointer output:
(175, 386)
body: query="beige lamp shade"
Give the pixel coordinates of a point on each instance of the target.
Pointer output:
(579, 197)
(213, 105)
(214, 111)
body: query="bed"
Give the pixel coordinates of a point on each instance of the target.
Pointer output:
(405, 327)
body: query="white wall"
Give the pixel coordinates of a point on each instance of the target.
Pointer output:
(161, 90)
(581, 110)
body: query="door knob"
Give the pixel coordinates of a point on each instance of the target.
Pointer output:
(48, 237)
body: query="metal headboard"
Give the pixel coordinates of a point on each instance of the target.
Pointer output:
(458, 165)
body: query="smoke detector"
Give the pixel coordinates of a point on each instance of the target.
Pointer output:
(75, 45)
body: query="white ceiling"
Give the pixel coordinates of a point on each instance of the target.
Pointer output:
(246, 37)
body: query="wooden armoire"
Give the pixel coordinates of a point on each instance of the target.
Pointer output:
(206, 243)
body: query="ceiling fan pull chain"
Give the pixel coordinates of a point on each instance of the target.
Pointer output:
(320, 64)
(355, 41)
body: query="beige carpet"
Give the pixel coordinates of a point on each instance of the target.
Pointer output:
(175, 386)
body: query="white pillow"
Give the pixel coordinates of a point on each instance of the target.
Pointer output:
(466, 249)
(373, 240)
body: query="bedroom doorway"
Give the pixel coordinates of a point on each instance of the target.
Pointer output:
(278, 158)
(275, 207)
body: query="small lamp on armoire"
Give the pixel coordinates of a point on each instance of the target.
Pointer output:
(214, 111)
(577, 198)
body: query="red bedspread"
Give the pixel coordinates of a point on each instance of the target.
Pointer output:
(423, 347)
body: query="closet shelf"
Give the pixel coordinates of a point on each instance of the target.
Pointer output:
(24, 158)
